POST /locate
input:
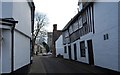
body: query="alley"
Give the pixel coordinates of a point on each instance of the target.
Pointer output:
(47, 64)
(53, 65)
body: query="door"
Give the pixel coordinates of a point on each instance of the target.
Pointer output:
(75, 52)
(90, 52)
(69, 52)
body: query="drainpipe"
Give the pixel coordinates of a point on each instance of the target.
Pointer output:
(12, 46)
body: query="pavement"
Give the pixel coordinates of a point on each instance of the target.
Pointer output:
(51, 65)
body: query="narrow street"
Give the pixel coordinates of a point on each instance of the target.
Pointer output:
(83, 34)
(47, 64)
(54, 65)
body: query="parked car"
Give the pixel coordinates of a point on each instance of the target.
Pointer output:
(44, 54)
(49, 53)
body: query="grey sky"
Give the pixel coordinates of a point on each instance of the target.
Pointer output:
(58, 11)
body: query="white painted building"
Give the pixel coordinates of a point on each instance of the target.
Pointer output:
(59, 46)
(15, 42)
(92, 35)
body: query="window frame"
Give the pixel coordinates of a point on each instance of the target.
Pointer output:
(82, 49)
(71, 29)
(106, 36)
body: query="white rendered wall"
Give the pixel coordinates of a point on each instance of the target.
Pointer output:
(119, 37)
(0, 50)
(105, 51)
(78, 49)
(66, 56)
(59, 46)
(20, 11)
(21, 50)
(22, 14)
(72, 49)
(106, 22)
(7, 8)
(84, 38)
(79, 58)
(6, 52)
(0, 9)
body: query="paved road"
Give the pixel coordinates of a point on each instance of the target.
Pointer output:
(46, 64)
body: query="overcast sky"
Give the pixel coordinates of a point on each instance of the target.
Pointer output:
(58, 11)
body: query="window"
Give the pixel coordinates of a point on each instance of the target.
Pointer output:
(66, 33)
(70, 29)
(82, 49)
(80, 22)
(65, 49)
(75, 26)
(106, 37)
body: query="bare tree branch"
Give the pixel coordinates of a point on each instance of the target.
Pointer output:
(41, 21)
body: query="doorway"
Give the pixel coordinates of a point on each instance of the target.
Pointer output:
(75, 52)
(69, 52)
(90, 52)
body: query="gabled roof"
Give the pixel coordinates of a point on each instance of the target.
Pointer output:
(71, 21)
(76, 17)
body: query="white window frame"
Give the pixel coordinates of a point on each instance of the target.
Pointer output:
(80, 22)
(75, 26)
(71, 29)
(66, 33)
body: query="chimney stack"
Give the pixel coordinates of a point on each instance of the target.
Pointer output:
(54, 27)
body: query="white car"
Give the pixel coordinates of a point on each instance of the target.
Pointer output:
(44, 54)
(49, 53)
